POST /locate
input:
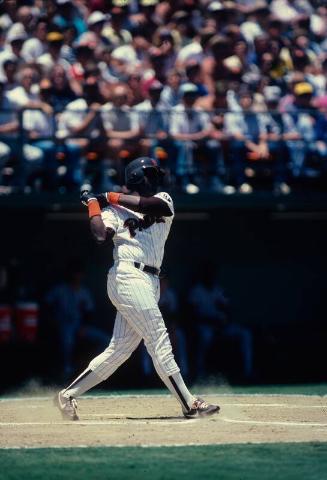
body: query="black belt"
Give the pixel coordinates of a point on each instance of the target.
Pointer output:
(147, 268)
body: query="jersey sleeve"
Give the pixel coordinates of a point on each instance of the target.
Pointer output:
(110, 218)
(167, 199)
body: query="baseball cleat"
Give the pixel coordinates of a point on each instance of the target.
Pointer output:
(67, 406)
(201, 409)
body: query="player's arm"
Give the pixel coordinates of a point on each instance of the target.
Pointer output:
(147, 205)
(99, 231)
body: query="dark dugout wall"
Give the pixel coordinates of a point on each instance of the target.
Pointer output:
(271, 261)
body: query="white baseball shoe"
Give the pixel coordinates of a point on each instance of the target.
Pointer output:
(67, 406)
(200, 408)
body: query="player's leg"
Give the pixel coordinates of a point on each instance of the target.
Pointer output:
(123, 343)
(135, 295)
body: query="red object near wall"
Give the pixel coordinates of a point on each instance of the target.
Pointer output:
(27, 320)
(5, 323)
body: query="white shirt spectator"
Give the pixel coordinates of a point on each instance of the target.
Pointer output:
(21, 97)
(39, 122)
(191, 121)
(235, 122)
(47, 62)
(32, 49)
(73, 116)
(192, 51)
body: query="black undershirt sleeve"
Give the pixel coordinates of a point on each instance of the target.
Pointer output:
(154, 206)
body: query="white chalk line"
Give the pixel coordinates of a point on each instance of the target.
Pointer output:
(283, 405)
(287, 424)
(130, 421)
(135, 421)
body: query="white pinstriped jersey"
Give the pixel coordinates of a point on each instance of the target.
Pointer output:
(138, 237)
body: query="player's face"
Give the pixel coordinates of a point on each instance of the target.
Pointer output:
(151, 183)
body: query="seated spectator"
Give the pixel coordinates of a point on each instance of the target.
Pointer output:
(15, 39)
(27, 159)
(61, 92)
(222, 65)
(300, 120)
(153, 122)
(276, 137)
(80, 129)
(134, 83)
(10, 67)
(96, 23)
(190, 129)
(69, 14)
(53, 55)
(114, 32)
(40, 130)
(35, 46)
(84, 54)
(247, 131)
(122, 128)
(171, 93)
(164, 40)
(210, 307)
(194, 74)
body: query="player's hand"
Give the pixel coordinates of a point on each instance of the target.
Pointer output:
(86, 196)
(102, 199)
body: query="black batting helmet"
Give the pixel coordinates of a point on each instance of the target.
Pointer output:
(138, 169)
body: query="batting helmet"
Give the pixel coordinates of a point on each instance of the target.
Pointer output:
(141, 168)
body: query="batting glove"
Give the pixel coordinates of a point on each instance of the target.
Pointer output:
(86, 196)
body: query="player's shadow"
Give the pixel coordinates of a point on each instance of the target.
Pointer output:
(155, 418)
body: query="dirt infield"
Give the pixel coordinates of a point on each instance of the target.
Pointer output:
(157, 420)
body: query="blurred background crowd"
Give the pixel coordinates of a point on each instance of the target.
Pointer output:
(229, 96)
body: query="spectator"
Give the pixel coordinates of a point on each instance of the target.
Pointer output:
(10, 67)
(210, 306)
(35, 46)
(301, 122)
(153, 121)
(61, 92)
(81, 130)
(171, 93)
(15, 39)
(222, 65)
(115, 33)
(194, 74)
(27, 158)
(247, 131)
(239, 43)
(40, 130)
(122, 128)
(276, 137)
(68, 14)
(53, 55)
(190, 128)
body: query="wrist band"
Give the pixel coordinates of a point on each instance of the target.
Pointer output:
(94, 208)
(113, 197)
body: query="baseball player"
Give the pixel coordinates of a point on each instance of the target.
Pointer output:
(138, 224)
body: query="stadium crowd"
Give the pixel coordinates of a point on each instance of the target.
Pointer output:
(220, 92)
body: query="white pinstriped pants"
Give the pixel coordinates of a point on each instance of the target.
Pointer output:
(135, 295)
